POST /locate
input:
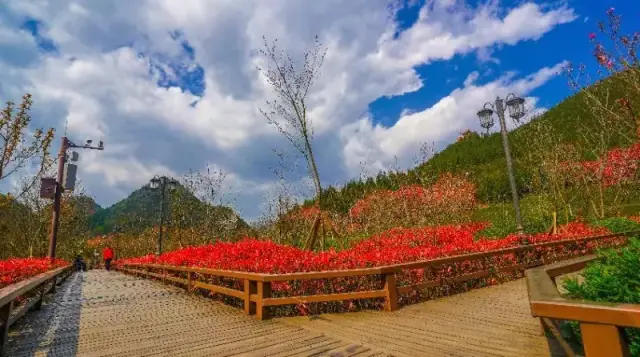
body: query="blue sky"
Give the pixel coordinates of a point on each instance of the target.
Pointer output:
(172, 85)
(570, 42)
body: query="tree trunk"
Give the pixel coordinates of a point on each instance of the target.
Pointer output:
(313, 168)
(601, 192)
(324, 236)
(313, 233)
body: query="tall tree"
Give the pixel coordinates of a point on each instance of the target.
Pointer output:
(288, 112)
(24, 223)
(16, 150)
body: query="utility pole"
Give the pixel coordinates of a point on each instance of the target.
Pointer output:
(55, 218)
(65, 144)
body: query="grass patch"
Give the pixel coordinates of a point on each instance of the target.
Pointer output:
(536, 211)
(618, 224)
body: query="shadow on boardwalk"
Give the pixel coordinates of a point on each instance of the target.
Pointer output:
(55, 329)
(110, 314)
(101, 313)
(490, 321)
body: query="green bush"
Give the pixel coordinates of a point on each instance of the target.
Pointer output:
(618, 224)
(613, 278)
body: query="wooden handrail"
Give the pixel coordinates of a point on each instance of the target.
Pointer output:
(256, 290)
(8, 294)
(600, 322)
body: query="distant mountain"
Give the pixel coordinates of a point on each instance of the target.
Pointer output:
(86, 201)
(141, 210)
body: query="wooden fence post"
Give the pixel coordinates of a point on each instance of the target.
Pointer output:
(5, 314)
(250, 288)
(603, 341)
(38, 304)
(189, 281)
(391, 291)
(264, 292)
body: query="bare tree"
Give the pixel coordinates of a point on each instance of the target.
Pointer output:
(547, 152)
(616, 122)
(197, 215)
(288, 112)
(16, 152)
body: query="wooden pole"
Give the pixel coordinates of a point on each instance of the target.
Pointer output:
(391, 292)
(55, 219)
(264, 292)
(250, 288)
(5, 315)
(603, 341)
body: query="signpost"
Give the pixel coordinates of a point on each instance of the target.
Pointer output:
(65, 180)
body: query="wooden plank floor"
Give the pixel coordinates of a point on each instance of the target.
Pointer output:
(101, 313)
(492, 321)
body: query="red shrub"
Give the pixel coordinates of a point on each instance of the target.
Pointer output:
(398, 245)
(450, 200)
(619, 166)
(18, 269)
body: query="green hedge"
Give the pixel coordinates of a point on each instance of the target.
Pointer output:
(618, 224)
(613, 278)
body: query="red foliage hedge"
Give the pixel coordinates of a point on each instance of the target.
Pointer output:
(450, 196)
(618, 167)
(17, 269)
(398, 245)
(394, 246)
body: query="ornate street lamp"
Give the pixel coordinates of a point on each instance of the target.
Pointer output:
(516, 111)
(162, 183)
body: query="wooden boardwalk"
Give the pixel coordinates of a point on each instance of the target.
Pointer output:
(492, 321)
(100, 313)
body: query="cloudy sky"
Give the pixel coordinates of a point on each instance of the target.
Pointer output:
(172, 85)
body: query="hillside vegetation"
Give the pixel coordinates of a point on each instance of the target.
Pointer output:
(141, 211)
(481, 157)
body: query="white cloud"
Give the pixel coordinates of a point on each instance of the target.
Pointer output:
(379, 146)
(103, 82)
(124, 170)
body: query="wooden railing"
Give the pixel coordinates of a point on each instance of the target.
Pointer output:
(600, 324)
(256, 293)
(40, 285)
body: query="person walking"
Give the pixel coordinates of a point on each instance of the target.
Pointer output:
(107, 255)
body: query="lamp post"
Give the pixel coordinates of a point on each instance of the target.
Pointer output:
(516, 111)
(62, 159)
(162, 183)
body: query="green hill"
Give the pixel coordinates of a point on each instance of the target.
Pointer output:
(86, 201)
(141, 210)
(482, 156)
